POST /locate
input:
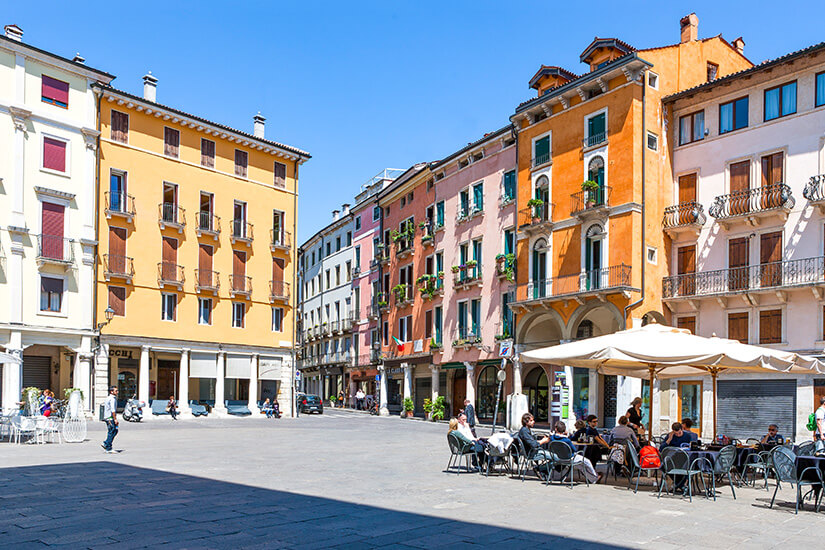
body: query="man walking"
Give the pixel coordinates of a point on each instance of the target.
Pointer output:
(110, 417)
(470, 411)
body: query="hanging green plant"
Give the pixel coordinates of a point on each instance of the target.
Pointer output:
(456, 268)
(535, 203)
(590, 185)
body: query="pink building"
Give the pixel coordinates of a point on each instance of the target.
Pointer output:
(365, 280)
(475, 241)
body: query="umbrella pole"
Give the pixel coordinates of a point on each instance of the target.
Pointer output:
(713, 374)
(651, 370)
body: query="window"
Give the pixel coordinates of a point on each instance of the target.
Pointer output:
(405, 329)
(328, 280)
(329, 249)
(541, 151)
(54, 92)
(358, 223)
(738, 326)
(119, 127)
(387, 211)
(349, 238)
(207, 153)
(204, 311)
(475, 316)
(653, 80)
(437, 317)
(54, 154)
(241, 161)
(652, 255)
(772, 168)
(51, 294)
(376, 213)
(652, 141)
(349, 271)
(168, 306)
(278, 236)
(238, 314)
(688, 323)
(596, 129)
(403, 202)
(780, 101)
(713, 70)
(770, 326)
(277, 319)
(385, 333)
(509, 241)
(338, 243)
(117, 300)
(510, 185)
(820, 90)
(733, 115)
(439, 214)
(337, 275)
(239, 220)
(478, 197)
(428, 324)
(691, 127)
(171, 142)
(464, 203)
(279, 170)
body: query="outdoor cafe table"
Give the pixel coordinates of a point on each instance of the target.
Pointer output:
(710, 455)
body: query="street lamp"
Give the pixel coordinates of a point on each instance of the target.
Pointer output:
(110, 314)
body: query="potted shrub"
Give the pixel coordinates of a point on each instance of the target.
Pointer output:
(428, 408)
(456, 268)
(591, 192)
(438, 407)
(535, 205)
(409, 406)
(400, 292)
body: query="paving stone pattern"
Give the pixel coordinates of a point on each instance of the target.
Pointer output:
(342, 480)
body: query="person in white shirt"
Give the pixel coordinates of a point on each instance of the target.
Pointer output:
(820, 420)
(359, 399)
(467, 433)
(110, 417)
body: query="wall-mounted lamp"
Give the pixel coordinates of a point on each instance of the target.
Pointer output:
(110, 314)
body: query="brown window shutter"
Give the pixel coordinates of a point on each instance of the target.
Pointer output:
(738, 327)
(239, 263)
(117, 300)
(770, 326)
(241, 159)
(740, 176)
(205, 257)
(688, 323)
(772, 169)
(687, 188)
(280, 174)
(278, 270)
(428, 324)
(117, 249)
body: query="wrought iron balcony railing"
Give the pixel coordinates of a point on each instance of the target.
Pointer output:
(117, 266)
(403, 248)
(241, 231)
(594, 139)
(278, 290)
(608, 278)
(538, 160)
(240, 285)
(467, 275)
(54, 249)
(172, 215)
(586, 200)
(815, 189)
(683, 215)
(207, 280)
(752, 201)
(119, 204)
(467, 337)
(208, 223)
(279, 239)
(537, 216)
(170, 273)
(767, 276)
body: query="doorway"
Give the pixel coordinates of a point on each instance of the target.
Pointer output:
(690, 404)
(459, 390)
(536, 388)
(168, 375)
(593, 257)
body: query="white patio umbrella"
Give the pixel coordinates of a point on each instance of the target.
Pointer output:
(658, 351)
(9, 358)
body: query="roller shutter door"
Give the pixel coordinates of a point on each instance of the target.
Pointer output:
(36, 371)
(423, 390)
(747, 407)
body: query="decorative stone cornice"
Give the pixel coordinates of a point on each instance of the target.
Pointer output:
(581, 93)
(54, 193)
(602, 84)
(90, 136)
(565, 103)
(19, 116)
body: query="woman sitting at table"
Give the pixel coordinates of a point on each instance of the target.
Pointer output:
(634, 416)
(622, 433)
(560, 434)
(687, 424)
(47, 405)
(587, 432)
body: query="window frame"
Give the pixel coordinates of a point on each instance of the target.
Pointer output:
(201, 302)
(780, 87)
(376, 213)
(176, 154)
(818, 102)
(67, 152)
(112, 126)
(692, 116)
(109, 304)
(51, 100)
(655, 137)
(281, 185)
(214, 153)
(655, 84)
(164, 303)
(241, 170)
(733, 103)
(60, 295)
(238, 322)
(280, 328)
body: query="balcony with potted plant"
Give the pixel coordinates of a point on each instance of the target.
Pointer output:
(430, 286)
(592, 200)
(467, 338)
(467, 275)
(427, 239)
(538, 216)
(403, 294)
(506, 267)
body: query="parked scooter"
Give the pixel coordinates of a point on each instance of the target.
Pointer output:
(133, 411)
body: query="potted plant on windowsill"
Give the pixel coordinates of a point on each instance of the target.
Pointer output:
(535, 205)
(409, 406)
(591, 190)
(435, 346)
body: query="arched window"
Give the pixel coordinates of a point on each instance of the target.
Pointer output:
(539, 274)
(543, 194)
(536, 388)
(486, 393)
(585, 329)
(595, 170)
(593, 251)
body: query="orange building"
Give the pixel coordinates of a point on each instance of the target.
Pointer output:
(593, 180)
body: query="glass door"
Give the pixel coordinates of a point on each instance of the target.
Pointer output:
(690, 404)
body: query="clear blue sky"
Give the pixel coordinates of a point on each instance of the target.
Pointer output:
(368, 85)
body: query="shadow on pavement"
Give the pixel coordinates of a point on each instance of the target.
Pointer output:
(102, 504)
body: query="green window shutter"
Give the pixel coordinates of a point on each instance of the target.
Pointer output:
(510, 184)
(439, 213)
(596, 125)
(542, 148)
(478, 196)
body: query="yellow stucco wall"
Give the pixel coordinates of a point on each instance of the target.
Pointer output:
(147, 169)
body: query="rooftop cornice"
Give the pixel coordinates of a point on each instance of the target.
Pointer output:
(55, 60)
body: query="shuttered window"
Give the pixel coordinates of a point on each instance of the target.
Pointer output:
(169, 266)
(120, 127)
(747, 407)
(117, 300)
(52, 231)
(687, 188)
(772, 169)
(278, 270)
(117, 250)
(54, 154)
(55, 92)
(241, 160)
(51, 294)
(280, 174)
(171, 142)
(770, 326)
(207, 153)
(428, 324)
(688, 323)
(738, 327)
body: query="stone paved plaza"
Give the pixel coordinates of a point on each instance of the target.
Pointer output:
(341, 480)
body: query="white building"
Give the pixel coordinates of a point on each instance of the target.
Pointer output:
(747, 228)
(47, 217)
(325, 276)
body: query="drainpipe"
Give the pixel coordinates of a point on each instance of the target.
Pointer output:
(93, 366)
(294, 285)
(643, 254)
(514, 132)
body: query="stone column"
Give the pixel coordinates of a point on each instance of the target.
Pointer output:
(101, 377)
(353, 387)
(220, 406)
(143, 377)
(434, 382)
(20, 119)
(82, 378)
(516, 375)
(407, 380)
(382, 398)
(253, 384)
(471, 384)
(12, 379)
(183, 383)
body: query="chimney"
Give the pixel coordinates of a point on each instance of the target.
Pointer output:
(335, 215)
(14, 32)
(344, 209)
(78, 58)
(258, 125)
(739, 45)
(150, 87)
(690, 28)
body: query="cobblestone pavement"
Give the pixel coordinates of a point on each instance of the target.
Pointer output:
(342, 480)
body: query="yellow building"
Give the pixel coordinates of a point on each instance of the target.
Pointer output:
(195, 256)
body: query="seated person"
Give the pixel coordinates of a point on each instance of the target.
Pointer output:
(586, 429)
(266, 408)
(466, 434)
(532, 446)
(622, 433)
(172, 407)
(46, 405)
(773, 437)
(687, 424)
(560, 434)
(276, 408)
(676, 438)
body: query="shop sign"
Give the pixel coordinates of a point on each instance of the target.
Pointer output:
(123, 353)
